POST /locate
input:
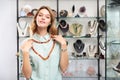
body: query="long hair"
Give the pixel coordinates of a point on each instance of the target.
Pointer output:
(51, 28)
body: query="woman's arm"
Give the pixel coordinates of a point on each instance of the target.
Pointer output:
(64, 61)
(64, 58)
(26, 66)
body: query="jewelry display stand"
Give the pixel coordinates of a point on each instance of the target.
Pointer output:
(23, 28)
(92, 27)
(92, 49)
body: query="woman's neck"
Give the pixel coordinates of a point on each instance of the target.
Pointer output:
(42, 32)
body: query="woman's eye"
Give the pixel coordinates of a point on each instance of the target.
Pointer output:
(40, 15)
(48, 17)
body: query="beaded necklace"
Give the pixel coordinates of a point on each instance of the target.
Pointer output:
(92, 27)
(91, 50)
(41, 42)
(44, 58)
(63, 26)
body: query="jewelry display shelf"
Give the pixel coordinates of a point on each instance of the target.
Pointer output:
(74, 17)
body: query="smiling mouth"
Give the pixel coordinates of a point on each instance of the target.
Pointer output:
(42, 22)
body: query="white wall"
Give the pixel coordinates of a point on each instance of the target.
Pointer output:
(8, 44)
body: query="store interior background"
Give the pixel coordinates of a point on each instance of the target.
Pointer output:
(8, 40)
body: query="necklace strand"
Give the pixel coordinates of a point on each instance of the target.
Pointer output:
(93, 27)
(41, 42)
(91, 50)
(101, 46)
(44, 58)
(63, 26)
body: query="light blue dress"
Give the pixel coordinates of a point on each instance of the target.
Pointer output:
(45, 69)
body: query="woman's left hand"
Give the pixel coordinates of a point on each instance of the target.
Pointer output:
(59, 39)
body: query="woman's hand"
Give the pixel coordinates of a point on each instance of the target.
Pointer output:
(59, 39)
(64, 60)
(26, 66)
(27, 45)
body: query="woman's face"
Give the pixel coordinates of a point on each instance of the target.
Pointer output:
(43, 18)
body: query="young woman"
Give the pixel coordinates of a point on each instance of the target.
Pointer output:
(44, 54)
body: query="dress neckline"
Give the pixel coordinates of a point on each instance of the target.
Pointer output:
(41, 39)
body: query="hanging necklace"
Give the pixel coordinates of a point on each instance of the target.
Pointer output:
(22, 26)
(44, 58)
(102, 46)
(63, 26)
(91, 50)
(92, 27)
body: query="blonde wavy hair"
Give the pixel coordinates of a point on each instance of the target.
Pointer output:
(51, 28)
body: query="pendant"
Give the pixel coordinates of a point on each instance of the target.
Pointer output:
(22, 33)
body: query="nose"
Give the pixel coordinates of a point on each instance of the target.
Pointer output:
(43, 17)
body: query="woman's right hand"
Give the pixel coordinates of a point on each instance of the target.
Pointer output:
(25, 47)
